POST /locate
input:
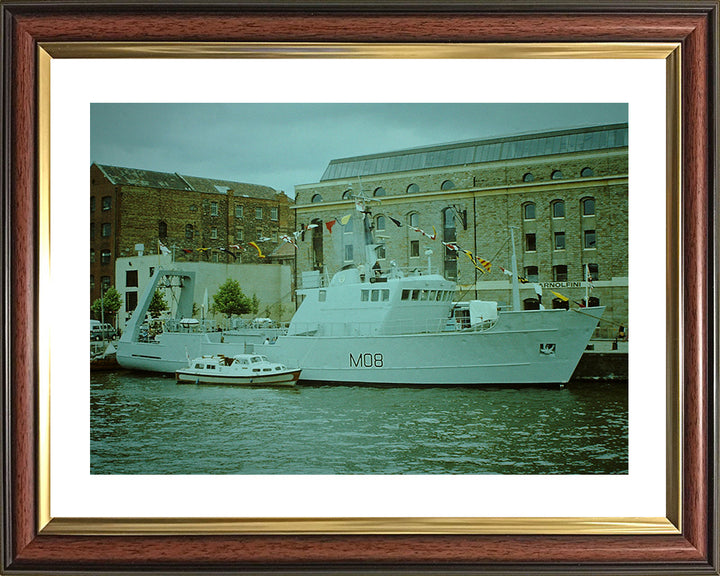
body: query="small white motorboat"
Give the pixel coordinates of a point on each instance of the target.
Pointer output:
(241, 370)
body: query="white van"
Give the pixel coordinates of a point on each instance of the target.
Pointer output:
(99, 331)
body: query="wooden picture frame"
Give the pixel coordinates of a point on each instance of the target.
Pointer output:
(690, 544)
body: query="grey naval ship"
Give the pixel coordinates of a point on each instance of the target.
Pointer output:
(370, 327)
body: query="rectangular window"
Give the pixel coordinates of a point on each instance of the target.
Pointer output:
(152, 271)
(531, 273)
(364, 295)
(530, 243)
(415, 294)
(589, 239)
(560, 273)
(131, 279)
(106, 202)
(559, 240)
(385, 295)
(375, 296)
(239, 234)
(406, 294)
(92, 203)
(106, 229)
(213, 208)
(213, 233)
(239, 211)
(414, 248)
(380, 252)
(274, 214)
(594, 271)
(92, 255)
(130, 301)
(348, 253)
(274, 236)
(258, 213)
(216, 257)
(105, 257)
(92, 282)
(105, 283)
(322, 295)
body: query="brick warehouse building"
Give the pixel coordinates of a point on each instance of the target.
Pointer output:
(565, 194)
(131, 207)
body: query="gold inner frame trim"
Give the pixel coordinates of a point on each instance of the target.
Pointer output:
(290, 526)
(670, 52)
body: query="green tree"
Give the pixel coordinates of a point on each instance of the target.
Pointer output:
(158, 304)
(230, 300)
(108, 305)
(254, 304)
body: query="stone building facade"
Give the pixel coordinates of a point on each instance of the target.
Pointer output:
(564, 195)
(197, 219)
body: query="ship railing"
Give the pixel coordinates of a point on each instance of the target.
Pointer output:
(360, 328)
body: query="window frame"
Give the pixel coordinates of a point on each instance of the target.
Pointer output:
(583, 206)
(534, 242)
(586, 235)
(527, 205)
(556, 237)
(553, 206)
(214, 209)
(414, 246)
(557, 273)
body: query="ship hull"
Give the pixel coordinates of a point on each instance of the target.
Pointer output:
(528, 347)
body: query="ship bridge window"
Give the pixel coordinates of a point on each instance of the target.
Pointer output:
(406, 295)
(439, 296)
(423, 295)
(415, 294)
(364, 295)
(432, 295)
(322, 295)
(375, 295)
(385, 295)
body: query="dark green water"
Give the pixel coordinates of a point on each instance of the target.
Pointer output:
(145, 424)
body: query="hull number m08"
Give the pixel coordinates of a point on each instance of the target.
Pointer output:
(366, 360)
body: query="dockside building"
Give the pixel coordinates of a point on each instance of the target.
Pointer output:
(564, 195)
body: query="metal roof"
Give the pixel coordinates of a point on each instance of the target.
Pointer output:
(479, 151)
(174, 181)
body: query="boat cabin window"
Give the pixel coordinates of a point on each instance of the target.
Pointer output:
(364, 294)
(375, 295)
(406, 294)
(255, 359)
(415, 294)
(210, 366)
(199, 366)
(423, 295)
(322, 295)
(385, 295)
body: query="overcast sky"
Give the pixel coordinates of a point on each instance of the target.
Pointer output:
(282, 145)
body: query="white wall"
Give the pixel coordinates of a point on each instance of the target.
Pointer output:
(271, 283)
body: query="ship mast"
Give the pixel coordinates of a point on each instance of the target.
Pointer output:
(515, 283)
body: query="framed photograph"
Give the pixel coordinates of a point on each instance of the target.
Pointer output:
(125, 474)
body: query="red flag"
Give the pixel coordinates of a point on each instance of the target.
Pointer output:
(330, 224)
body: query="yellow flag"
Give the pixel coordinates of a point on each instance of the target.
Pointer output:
(345, 219)
(563, 298)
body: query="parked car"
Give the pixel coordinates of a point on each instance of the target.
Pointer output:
(99, 331)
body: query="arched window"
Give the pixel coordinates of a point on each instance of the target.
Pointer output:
(587, 172)
(528, 177)
(380, 223)
(380, 192)
(447, 185)
(413, 189)
(448, 218)
(558, 209)
(557, 303)
(414, 219)
(316, 199)
(162, 229)
(529, 211)
(557, 175)
(588, 206)
(531, 304)
(346, 195)
(189, 232)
